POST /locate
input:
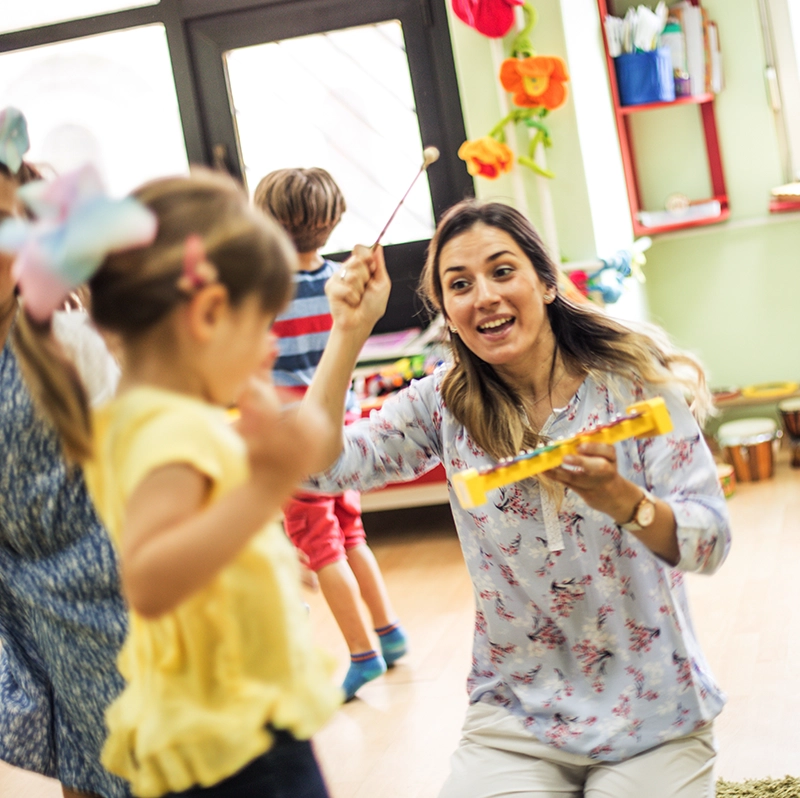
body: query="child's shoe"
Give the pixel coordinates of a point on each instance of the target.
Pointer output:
(394, 643)
(363, 668)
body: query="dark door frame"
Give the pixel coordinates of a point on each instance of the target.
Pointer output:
(200, 31)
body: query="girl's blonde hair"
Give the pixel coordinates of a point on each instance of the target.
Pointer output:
(589, 342)
(135, 289)
(307, 203)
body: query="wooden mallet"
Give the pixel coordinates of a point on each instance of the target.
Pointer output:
(430, 155)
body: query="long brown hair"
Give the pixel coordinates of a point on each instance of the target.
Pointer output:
(134, 289)
(587, 339)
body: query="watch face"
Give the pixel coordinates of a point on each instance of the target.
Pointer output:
(646, 513)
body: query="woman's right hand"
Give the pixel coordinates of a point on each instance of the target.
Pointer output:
(359, 291)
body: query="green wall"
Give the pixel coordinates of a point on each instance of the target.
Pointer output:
(729, 292)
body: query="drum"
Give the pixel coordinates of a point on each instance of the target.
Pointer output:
(790, 416)
(748, 445)
(727, 479)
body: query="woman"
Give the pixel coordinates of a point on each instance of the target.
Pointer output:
(62, 617)
(587, 678)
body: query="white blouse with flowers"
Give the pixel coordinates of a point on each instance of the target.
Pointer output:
(580, 629)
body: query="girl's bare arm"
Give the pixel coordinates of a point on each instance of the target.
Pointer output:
(174, 542)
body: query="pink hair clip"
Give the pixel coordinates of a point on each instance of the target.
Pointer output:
(197, 271)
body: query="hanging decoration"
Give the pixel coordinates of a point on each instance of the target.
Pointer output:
(492, 18)
(535, 82)
(486, 157)
(608, 281)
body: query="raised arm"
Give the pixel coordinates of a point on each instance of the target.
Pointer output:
(358, 294)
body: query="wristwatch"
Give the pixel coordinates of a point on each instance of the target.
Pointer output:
(643, 514)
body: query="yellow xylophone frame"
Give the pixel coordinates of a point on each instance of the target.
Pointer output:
(644, 419)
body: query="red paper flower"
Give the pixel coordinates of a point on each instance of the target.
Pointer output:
(486, 157)
(492, 18)
(536, 81)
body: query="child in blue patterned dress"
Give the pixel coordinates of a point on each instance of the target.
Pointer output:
(328, 530)
(62, 617)
(223, 685)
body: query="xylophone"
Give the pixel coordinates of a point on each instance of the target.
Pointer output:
(642, 420)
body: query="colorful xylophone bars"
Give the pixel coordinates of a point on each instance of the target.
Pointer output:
(642, 420)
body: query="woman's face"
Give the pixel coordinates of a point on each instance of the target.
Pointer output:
(8, 208)
(495, 300)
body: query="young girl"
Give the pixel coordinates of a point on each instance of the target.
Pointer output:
(62, 616)
(223, 688)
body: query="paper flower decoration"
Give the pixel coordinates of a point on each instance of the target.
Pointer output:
(14, 141)
(580, 280)
(486, 157)
(536, 81)
(76, 227)
(492, 18)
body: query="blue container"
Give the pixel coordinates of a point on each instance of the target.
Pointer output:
(645, 77)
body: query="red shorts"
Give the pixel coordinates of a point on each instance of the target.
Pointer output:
(324, 527)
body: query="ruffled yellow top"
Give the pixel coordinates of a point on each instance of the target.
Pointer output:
(204, 680)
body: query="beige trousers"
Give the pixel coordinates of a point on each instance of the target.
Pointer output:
(497, 757)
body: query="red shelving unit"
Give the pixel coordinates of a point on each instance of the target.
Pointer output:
(622, 114)
(783, 206)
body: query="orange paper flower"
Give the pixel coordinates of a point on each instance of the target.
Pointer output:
(536, 81)
(486, 157)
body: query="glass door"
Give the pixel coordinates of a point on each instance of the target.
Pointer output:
(353, 88)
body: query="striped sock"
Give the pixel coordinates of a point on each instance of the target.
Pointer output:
(363, 668)
(394, 643)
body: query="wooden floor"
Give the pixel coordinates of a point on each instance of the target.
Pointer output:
(395, 739)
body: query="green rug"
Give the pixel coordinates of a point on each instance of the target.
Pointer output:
(787, 787)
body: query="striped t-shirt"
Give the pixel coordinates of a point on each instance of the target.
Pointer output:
(303, 330)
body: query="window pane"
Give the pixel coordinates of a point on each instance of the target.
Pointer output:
(342, 101)
(109, 99)
(33, 13)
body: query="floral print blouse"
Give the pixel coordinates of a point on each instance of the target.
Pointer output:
(580, 629)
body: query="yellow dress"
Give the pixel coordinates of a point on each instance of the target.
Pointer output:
(204, 680)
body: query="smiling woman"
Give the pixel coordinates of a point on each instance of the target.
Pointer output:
(487, 265)
(495, 302)
(585, 674)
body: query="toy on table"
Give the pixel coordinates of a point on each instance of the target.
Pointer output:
(770, 390)
(394, 376)
(642, 420)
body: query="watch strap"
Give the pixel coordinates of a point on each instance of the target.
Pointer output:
(633, 525)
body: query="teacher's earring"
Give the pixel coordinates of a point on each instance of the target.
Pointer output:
(548, 298)
(453, 331)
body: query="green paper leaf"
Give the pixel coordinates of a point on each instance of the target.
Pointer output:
(531, 164)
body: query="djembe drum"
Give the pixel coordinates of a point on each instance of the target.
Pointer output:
(790, 416)
(748, 446)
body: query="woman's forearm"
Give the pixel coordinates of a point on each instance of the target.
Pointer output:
(358, 295)
(329, 388)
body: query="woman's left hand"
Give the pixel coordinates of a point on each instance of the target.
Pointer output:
(593, 475)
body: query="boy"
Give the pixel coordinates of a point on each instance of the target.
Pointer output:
(327, 529)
